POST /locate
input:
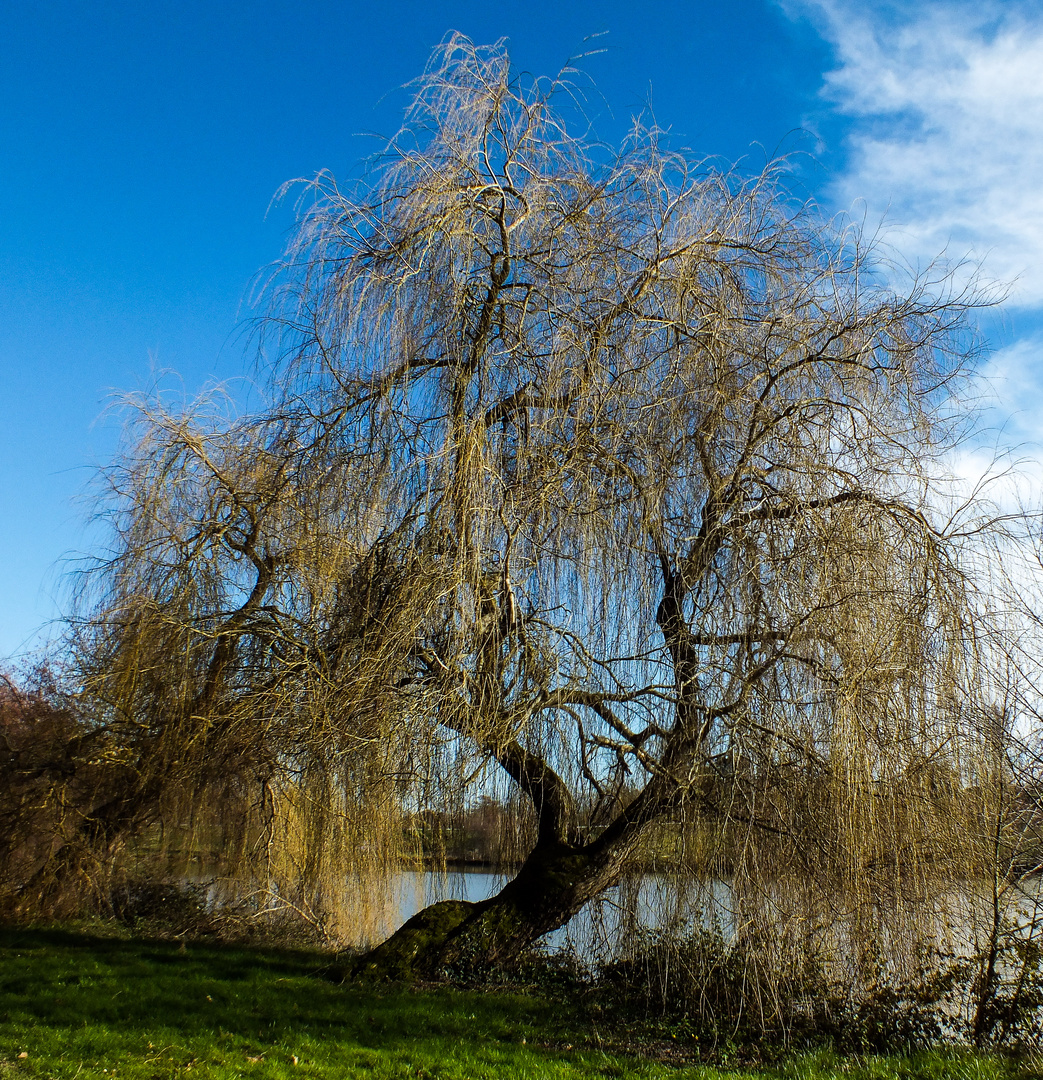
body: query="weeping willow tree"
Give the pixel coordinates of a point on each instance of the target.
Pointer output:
(606, 471)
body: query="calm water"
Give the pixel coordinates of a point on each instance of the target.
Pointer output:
(651, 902)
(658, 902)
(956, 921)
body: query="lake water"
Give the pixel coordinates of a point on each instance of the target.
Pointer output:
(648, 902)
(956, 920)
(651, 902)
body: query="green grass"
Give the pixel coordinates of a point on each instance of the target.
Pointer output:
(104, 1007)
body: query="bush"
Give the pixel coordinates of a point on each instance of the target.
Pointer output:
(718, 991)
(49, 782)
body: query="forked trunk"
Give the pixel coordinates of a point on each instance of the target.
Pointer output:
(560, 875)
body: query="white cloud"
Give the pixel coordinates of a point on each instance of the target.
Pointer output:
(945, 102)
(1013, 391)
(1009, 393)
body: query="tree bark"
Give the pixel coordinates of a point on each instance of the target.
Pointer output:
(456, 937)
(560, 876)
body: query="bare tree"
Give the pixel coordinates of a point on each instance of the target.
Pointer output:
(604, 468)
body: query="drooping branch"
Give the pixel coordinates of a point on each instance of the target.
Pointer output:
(586, 466)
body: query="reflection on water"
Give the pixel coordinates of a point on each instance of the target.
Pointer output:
(645, 902)
(957, 921)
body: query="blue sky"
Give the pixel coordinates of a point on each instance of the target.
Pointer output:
(141, 146)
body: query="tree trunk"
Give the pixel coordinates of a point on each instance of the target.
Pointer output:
(457, 936)
(558, 878)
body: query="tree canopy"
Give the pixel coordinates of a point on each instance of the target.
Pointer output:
(606, 470)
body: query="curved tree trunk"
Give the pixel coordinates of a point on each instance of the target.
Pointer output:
(456, 935)
(556, 880)
(561, 874)
(552, 885)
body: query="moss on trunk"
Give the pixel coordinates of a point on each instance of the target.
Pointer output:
(412, 952)
(457, 937)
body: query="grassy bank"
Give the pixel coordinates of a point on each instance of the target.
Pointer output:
(82, 1005)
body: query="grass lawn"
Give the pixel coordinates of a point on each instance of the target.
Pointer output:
(76, 1005)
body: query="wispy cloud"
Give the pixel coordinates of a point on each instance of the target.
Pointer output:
(1010, 399)
(944, 103)
(1013, 378)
